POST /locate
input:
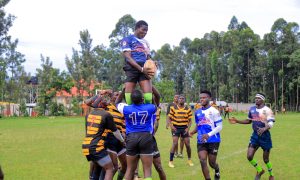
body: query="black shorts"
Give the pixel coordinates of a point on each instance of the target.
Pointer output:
(97, 155)
(135, 76)
(180, 132)
(113, 145)
(139, 143)
(211, 148)
(156, 153)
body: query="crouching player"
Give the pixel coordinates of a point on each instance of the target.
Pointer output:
(93, 145)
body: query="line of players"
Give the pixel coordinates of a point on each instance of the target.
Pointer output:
(104, 143)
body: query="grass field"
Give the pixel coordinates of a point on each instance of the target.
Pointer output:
(50, 148)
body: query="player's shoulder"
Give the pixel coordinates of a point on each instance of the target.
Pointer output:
(252, 109)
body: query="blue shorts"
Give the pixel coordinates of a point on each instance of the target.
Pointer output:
(264, 141)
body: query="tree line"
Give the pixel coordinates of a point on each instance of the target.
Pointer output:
(234, 65)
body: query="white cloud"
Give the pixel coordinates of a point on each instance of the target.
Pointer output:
(51, 27)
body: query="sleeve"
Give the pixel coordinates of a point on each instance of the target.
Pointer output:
(217, 117)
(218, 124)
(270, 116)
(190, 114)
(125, 45)
(249, 115)
(120, 107)
(171, 113)
(110, 124)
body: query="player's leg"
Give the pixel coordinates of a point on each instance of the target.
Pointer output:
(266, 144)
(202, 155)
(122, 171)
(114, 158)
(174, 144)
(250, 156)
(147, 161)
(107, 164)
(146, 87)
(129, 87)
(1, 174)
(157, 162)
(131, 166)
(186, 139)
(159, 168)
(212, 158)
(95, 171)
(266, 155)
(181, 144)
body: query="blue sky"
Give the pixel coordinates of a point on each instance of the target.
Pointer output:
(51, 27)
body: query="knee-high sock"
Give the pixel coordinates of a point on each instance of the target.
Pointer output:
(269, 166)
(254, 163)
(148, 98)
(128, 98)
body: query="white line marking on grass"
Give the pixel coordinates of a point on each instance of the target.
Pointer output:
(234, 154)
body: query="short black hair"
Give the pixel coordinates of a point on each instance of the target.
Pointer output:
(137, 96)
(140, 24)
(206, 92)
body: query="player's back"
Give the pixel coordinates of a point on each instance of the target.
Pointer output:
(138, 118)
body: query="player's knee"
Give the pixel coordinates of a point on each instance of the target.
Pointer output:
(266, 160)
(213, 165)
(249, 157)
(203, 162)
(148, 97)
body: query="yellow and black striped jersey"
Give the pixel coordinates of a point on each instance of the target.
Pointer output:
(180, 116)
(118, 117)
(97, 123)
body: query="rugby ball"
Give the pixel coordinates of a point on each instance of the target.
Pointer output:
(151, 67)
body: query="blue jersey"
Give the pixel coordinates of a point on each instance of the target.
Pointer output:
(260, 117)
(138, 118)
(139, 48)
(206, 120)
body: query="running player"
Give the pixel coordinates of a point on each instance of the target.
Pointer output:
(93, 145)
(136, 51)
(208, 126)
(180, 117)
(262, 119)
(139, 138)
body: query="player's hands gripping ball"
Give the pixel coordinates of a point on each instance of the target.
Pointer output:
(150, 67)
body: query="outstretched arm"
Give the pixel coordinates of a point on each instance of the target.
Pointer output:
(233, 120)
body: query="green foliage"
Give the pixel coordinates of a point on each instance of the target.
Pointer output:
(166, 89)
(57, 109)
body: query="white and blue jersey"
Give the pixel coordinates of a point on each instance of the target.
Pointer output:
(139, 48)
(138, 118)
(206, 120)
(260, 117)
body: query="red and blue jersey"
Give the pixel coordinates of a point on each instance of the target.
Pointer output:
(139, 48)
(206, 120)
(260, 117)
(138, 118)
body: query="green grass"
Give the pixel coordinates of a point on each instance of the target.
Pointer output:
(50, 148)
